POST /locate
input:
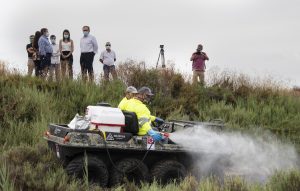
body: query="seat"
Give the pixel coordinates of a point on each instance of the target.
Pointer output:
(131, 122)
(104, 104)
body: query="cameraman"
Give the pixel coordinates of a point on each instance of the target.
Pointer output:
(198, 59)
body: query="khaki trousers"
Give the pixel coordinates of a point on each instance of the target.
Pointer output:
(196, 74)
(54, 68)
(31, 66)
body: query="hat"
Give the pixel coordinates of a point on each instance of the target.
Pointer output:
(145, 90)
(131, 89)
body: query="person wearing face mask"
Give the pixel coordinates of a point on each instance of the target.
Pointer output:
(66, 47)
(108, 58)
(198, 58)
(30, 52)
(89, 47)
(137, 105)
(55, 62)
(45, 51)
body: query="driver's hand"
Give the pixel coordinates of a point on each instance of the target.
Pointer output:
(159, 121)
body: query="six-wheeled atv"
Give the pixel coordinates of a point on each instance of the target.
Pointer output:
(109, 157)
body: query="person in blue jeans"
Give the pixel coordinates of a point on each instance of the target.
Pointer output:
(45, 51)
(108, 58)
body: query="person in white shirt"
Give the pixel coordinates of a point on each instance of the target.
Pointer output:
(89, 47)
(108, 58)
(55, 61)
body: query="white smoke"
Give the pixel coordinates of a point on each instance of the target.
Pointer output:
(254, 158)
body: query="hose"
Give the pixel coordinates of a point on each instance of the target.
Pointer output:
(113, 164)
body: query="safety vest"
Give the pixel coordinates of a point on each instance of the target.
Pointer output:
(123, 103)
(142, 113)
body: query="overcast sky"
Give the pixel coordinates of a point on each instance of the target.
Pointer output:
(256, 37)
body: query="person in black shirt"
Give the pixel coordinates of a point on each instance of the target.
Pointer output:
(36, 56)
(30, 51)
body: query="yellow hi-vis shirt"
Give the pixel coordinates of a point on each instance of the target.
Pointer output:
(152, 118)
(123, 103)
(142, 113)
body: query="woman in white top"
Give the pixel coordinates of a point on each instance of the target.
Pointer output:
(66, 47)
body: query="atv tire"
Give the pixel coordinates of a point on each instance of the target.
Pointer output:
(168, 171)
(97, 170)
(131, 169)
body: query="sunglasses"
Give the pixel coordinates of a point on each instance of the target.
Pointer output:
(108, 45)
(85, 30)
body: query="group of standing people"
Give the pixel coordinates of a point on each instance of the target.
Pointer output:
(48, 58)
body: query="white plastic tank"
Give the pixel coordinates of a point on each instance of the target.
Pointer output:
(108, 119)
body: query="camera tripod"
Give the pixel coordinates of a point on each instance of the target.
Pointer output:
(162, 55)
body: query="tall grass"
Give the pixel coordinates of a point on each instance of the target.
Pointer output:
(28, 104)
(6, 183)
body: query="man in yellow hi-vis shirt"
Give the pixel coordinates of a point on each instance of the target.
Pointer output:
(136, 104)
(129, 93)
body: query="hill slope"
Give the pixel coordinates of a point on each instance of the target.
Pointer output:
(28, 104)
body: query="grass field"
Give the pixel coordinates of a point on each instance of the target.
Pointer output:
(28, 104)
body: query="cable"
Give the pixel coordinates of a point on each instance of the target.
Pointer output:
(113, 164)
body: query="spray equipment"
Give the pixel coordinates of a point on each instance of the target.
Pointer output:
(165, 135)
(162, 56)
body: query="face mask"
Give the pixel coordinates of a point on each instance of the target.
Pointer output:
(52, 41)
(66, 36)
(85, 33)
(47, 34)
(147, 99)
(108, 47)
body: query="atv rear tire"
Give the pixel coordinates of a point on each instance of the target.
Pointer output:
(168, 171)
(131, 169)
(97, 170)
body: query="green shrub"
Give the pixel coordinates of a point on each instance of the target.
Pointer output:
(28, 104)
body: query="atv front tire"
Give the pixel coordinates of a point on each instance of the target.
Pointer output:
(97, 170)
(132, 169)
(168, 171)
